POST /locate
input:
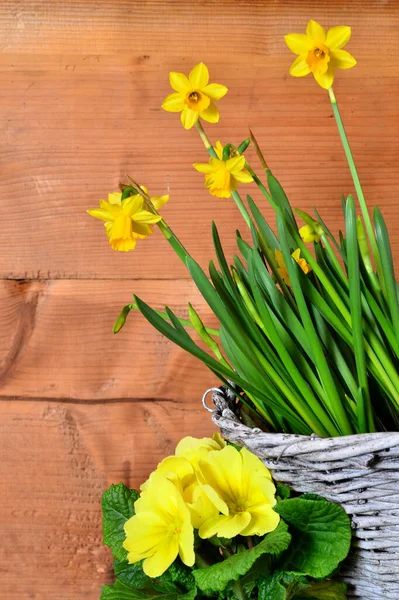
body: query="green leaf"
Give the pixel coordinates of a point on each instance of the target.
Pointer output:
(281, 586)
(365, 417)
(216, 577)
(324, 590)
(132, 575)
(120, 591)
(117, 506)
(321, 535)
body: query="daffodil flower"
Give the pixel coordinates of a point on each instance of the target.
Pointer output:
(194, 96)
(223, 176)
(161, 529)
(308, 234)
(240, 487)
(320, 52)
(282, 268)
(126, 220)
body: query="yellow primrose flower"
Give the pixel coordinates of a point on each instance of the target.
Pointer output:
(320, 52)
(282, 269)
(161, 529)
(126, 220)
(308, 234)
(196, 449)
(194, 96)
(240, 487)
(222, 177)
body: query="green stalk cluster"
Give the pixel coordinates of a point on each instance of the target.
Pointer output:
(314, 352)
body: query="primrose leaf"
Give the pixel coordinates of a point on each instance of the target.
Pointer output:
(281, 586)
(121, 591)
(324, 590)
(216, 577)
(117, 506)
(321, 535)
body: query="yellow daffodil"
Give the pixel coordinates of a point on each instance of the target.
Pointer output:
(223, 176)
(161, 529)
(240, 487)
(194, 96)
(308, 234)
(282, 268)
(126, 220)
(320, 52)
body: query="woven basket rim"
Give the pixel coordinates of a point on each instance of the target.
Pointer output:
(339, 447)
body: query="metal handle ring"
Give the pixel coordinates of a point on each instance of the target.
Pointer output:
(204, 404)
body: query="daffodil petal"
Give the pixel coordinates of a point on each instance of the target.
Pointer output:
(188, 118)
(132, 205)
(115, 198)
(141, 230)
(203, 167)
(161, 560)
(144, 216)
(298, 43)
(103, 215)
(315, 32)
(179, 82)
(342, 59)
(236, 163)
(199, 76)
(159, 201)
(173, 103)
(219, 150)
(300, 67)
(211, 114)
(215, 91)
(325, 80)
(337, 37)
(242, 176)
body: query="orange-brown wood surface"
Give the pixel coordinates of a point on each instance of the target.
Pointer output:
(81, 83)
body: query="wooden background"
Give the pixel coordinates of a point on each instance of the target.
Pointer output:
(81, 83)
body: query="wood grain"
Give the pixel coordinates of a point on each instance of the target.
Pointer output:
(82, 83)
(57, 342)
(55, 462)
(81, 86)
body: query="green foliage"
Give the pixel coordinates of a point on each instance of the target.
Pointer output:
(117, 506)
(216, 577)
(321, 535)
(310, 541)
(305, 353)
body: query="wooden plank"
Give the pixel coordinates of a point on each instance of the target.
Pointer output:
(57, 342)
(80, 108)
(55, 462)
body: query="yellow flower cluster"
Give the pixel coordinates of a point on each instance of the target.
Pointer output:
(127, 220)
(194, 96)
(223, 176)
(207, 485)
(320, 52)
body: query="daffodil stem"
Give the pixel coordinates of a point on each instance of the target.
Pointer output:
(235, 195)
(173, 241)
(356, 181)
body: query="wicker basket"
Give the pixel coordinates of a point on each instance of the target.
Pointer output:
(359, 472)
